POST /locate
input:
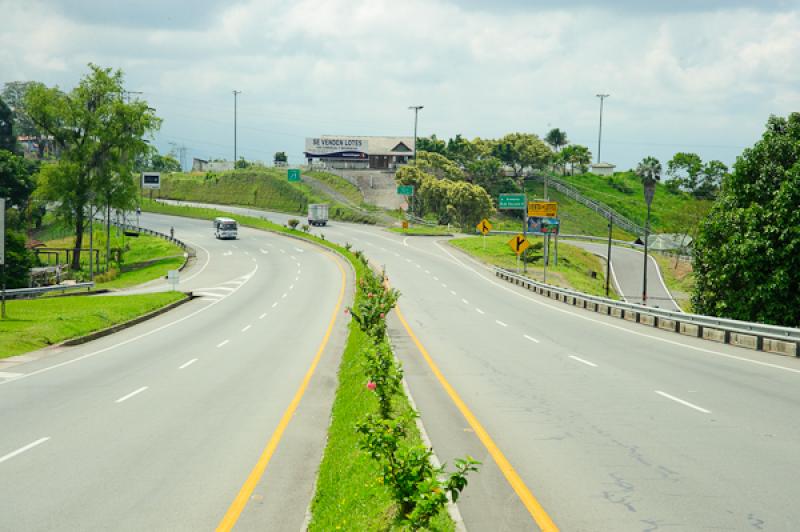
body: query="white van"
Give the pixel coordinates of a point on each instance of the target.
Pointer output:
(225, 228)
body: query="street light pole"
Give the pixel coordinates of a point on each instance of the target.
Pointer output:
(649, 191)
(608, 255)
(600, 132)
(416, 109)
(235, 98)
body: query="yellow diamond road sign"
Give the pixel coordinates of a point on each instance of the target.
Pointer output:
(518, 244)
(484, 227)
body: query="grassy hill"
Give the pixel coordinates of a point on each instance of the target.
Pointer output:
(265, 188)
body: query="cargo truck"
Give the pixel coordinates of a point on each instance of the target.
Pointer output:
(318, 214)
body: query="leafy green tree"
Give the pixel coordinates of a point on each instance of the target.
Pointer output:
(576, 156)
(556, 138)
(431, 145)
(470, 203)
(242, 164)
(461, 150)
(14, 94)
(19, 260)
(8, 140)
(713, 174)
(100, 137)
(16, 183)
(685, 169)
(152, 161)
(522, 151)
(747, 253)
(488, 173)
(438, 165)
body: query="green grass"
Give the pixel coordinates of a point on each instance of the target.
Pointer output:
(340, 185)
(137, 250)
(623, 192)
(349, 493)
(37, 323)
(679, 279)
(263, 188)
(422, 231)
(574, 264)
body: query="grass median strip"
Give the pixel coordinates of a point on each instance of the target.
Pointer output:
(34, 324)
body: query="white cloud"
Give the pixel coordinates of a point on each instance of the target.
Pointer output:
(694, 76)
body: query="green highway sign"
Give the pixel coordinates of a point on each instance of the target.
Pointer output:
(512, 201)
(294, 174)
(405, 190)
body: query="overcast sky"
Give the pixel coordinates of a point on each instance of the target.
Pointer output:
(683, 75)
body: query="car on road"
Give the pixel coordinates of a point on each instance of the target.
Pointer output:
(226, 228)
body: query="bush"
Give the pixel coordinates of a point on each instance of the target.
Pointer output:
(293, 222)
(19, 260)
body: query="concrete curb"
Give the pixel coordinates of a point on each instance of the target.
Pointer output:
(125, 325)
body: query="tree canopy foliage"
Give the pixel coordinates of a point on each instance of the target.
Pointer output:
(747, 252)
(100, 137)
(689, 174)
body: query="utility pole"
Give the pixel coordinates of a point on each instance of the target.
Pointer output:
(608, 254)
(600, 132)
(235, 98)
(416, 109)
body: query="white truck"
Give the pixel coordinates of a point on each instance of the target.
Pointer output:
(318, 214)
(225, 228)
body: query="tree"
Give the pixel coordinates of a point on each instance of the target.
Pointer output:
(649, 170)
(713, 174)
(461, 150)
(16, 183)
(14, 94)
(242, 164)
(438, 165)
(8, 140)
(152, 161)
(488, 173)
(522, 151)
(100, 137)
(746, 262)
(19, 260)
(577, 156)
(685, 169)
(431, 145)
(556, 138)
(470, 203)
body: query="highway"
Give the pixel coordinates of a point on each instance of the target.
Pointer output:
(607, 425)
(160, 426)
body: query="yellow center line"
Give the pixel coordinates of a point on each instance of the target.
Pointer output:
(536, 510)
(238, 504)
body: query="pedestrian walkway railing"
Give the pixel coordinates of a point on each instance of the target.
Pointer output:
(758, 336)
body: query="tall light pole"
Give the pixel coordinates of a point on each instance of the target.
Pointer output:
(235, 98)
(416, 109)
(649, 192)
(600, 132)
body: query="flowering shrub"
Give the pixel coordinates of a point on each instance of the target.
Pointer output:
(384, 374)
(378, 299)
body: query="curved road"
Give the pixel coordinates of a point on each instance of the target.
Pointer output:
(158, 427)
(608, 425)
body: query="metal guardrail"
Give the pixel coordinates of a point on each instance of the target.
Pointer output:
(601, 208)
(180, 243)
(419, 221)
(17, 292)
(759, 336)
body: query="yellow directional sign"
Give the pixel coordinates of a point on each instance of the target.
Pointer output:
(547, 209)
(484, 227)
(518, 244)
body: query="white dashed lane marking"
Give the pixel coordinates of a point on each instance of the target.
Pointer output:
(187, 364)
(135, 392)
(21, 450)
(582, 361)
(222, 343)
(500, 323)
(531, 338)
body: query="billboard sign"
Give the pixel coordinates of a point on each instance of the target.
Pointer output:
(347, 147)
(541, 225)
(151, 180)
(547, 209)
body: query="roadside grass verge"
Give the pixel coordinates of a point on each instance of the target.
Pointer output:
(349, 493)
(574, 270)
(144, 258)
(679, 279)
(423, 231)
(33, 324)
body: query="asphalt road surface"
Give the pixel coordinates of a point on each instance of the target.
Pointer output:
(159, 426)
(607, 425)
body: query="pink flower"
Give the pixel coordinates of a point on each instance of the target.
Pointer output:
(370, 385)
(369, 295)
(347, 311)
(383, 315)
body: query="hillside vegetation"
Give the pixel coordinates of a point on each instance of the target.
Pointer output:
(265, 188)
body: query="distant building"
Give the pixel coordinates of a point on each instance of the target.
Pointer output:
(202, 165)
(342, 152)
(602, 168)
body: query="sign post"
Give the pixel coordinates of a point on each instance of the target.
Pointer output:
(293, 175)
(484, 227)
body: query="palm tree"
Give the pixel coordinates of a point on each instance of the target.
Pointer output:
(649, 171)
(556, 138)
(580, 156)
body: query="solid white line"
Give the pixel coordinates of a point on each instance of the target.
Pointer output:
(557, 308)
(465, 301)
(582, 361)
(21, 450)
(479, 311)
(246, 328)
(275, 304)
(500, 323)
(187, 364)
(128, 341)
(135, 392)
(684, 403)
(262, 316)
(222, 343)
(531, 338)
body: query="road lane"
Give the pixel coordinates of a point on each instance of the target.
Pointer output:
(159, 429)
(599, 447)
